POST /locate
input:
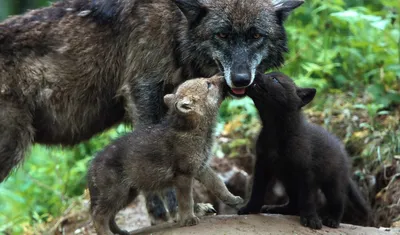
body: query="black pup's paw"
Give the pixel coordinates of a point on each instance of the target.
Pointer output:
(267, 209)
(124, 232)
(331, 222)
(248, 210)
(311, 221)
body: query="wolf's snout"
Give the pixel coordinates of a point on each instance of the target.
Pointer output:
(242, 79)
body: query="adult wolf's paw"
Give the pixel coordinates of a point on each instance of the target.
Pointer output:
(331, 222)
(189, 221)
(202, 209)
(311, 221)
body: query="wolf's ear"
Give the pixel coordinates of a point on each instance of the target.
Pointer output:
(284, 7)
(306, 95)
(169, 99)
(193, 10)
(184, 106)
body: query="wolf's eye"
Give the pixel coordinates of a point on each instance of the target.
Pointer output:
(257, 36)
(222, 35)
(209, 85)
(275, 80)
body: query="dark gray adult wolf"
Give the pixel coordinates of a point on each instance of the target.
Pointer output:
(78, 67)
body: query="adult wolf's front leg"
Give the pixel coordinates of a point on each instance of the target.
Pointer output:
(212, 182)
(148, 100)
(16, 135)
(145, 105)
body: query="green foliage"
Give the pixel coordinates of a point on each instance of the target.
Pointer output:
(47, 182)
(347, 45)
(348, 50)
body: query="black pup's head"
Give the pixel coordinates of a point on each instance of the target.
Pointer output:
(278, 92)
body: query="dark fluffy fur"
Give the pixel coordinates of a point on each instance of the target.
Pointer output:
(78, 67)
(152, 158)
(305, 157)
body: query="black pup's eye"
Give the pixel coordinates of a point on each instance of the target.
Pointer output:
(275, 80)
(209, 85)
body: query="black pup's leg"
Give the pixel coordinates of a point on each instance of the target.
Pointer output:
(307, 202)
(260, 180)
(335, 198)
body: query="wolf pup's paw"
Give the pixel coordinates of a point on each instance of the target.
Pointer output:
(331, 222)
(191, 221)
(202, 209)
(123, 232)
(248, 209)
(311, 221)
(235, 201)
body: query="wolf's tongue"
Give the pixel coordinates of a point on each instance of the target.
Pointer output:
(239, 91)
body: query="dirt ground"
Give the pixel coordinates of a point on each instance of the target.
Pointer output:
(260, 224)
(135, 219)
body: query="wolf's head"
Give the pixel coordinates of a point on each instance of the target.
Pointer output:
(278, 92)
(241, 36)
(197, 98)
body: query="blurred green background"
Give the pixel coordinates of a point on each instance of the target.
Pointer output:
(348, 50)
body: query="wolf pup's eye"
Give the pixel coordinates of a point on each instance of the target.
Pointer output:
(209, 85)
(222, 35)
(275, 80)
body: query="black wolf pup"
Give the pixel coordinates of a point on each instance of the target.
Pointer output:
(303, 156)
(171, 153)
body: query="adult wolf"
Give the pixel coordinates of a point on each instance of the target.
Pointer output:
(78, 67)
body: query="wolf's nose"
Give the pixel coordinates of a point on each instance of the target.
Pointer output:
(241, 79)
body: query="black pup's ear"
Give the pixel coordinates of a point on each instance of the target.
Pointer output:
(284, 7)
(306, 95)
(193, 10)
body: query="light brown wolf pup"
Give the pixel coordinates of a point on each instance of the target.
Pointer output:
(159, 156)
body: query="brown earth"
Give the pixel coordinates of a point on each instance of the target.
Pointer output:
(259, 224)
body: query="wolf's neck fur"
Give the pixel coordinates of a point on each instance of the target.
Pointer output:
(280, 125)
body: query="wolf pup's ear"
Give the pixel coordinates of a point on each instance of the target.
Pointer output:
(169, 99)
(306, 95)
(284, 7)
(193, 10)
(184, 106)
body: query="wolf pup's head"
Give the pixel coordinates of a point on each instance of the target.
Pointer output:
(278, 92)
(197, 98)
(241, 36)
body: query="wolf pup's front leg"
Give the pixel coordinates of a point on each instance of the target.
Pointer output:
(260, 177)
(307, 202)
(212, 182)
(184, 194)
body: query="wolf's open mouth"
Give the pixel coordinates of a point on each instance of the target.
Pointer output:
(239, 91)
